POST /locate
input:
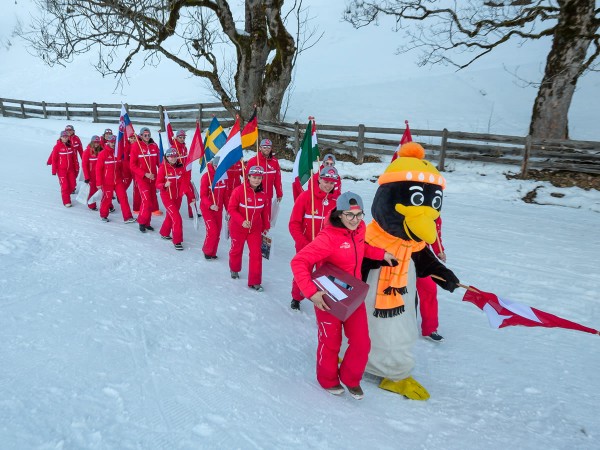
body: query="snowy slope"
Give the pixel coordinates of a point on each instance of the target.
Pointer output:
(113, 340)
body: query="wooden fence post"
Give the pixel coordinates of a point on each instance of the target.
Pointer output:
(200, 114)
(2, 107)
(162, 117)
(44, 110)
(443, 148)
(23, 110)
(360, 149)
(296, 137)
(95, 112)
(67, 109)
(526, 154)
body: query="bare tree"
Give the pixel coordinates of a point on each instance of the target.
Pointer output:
(460, 35)
(195, 34)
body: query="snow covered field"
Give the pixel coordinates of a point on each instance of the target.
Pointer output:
(110, 339)
(113, 340)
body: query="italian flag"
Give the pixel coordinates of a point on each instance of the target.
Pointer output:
(307, 154)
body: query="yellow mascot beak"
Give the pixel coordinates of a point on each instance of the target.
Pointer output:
(419, 221)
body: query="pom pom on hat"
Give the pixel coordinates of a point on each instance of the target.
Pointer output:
(412, 150)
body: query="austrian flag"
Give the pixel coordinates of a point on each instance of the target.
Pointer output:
(505, 313)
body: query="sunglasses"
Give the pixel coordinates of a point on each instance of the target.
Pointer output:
(145, 135)
(349, 216)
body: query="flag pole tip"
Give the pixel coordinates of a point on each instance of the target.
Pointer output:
(311, 117)
(406, 122)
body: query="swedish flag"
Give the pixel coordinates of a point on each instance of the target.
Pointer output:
(215, 139)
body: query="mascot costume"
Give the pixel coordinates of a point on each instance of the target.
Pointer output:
(405, 207)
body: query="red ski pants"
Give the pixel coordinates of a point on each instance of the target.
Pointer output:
(93, 190)
(149, 202)
(137, 199)
(107, 197)
(67, 181)
(173, 223)
(189, 195)
(353, 365)
(428, 305)
(213, 220)
(239, 235)
(296, 293)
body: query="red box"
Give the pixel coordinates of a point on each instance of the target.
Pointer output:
(355, 290)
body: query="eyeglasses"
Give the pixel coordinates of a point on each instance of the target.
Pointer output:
(329, 163)
(350, 216)
(146, 135)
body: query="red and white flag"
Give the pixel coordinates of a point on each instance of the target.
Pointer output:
(505, 313)
(406, 137)
(196, 149)
(169, 128)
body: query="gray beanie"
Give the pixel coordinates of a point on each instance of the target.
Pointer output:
(343, 201)
(329, 156)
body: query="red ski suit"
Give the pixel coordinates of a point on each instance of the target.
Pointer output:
(189, 189)
(213, 220)
(109, 178)
(125, 165)
(66, 167)
(144, 159)
(251, 203)
(301, 222)
(171, 197)
(271, 179)
(427, 290)
(88, 164)
(345, 249)
(76, 144)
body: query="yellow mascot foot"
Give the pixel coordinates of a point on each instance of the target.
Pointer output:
(409, 387)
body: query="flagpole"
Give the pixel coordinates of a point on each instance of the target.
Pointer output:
(209, 180)
(245, 194)
(464, 286)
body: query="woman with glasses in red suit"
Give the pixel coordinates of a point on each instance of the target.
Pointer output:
(143, 162)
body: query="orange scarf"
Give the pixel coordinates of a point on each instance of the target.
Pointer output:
(392, 280)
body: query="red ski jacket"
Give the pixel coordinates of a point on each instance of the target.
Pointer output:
(176, 175)
(108, 168)
(338, 246)
(253, 202)
(64, 159)
(88, 163)
(143, 158)
(76, 144)
(301, 220)
(209, 197)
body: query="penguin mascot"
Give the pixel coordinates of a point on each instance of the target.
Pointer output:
(406, 205)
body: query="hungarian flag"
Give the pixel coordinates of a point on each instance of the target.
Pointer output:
(406, 137)
(504, 313)
(307, 154)
(196, 148)
(250, 131)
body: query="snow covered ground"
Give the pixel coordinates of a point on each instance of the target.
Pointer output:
(113, 340)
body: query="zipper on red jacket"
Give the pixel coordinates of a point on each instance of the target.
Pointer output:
(355, 254)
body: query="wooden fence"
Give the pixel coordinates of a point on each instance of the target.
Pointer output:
(180, 116)
(359, 141)
(522, 151)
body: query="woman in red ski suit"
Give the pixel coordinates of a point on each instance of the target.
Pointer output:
(65, 166)
(272, 178)
(341, 243)
(172, 183)
(248, 221)
(211, 205)
(74, 140)
(109, 178)
(328, 161)
(143, 163)
(309, 216)
(182, 150)
(88, 164)
(427, 290)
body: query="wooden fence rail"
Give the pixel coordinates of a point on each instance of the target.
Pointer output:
(359, 141)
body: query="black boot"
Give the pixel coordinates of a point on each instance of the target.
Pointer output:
(295, 304)
(142, 228)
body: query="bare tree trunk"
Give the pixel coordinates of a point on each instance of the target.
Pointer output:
(572, 38)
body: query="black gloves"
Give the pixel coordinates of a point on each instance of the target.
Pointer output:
(451, 282)
(86, 181)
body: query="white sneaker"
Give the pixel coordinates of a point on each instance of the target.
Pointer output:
(68, 205)
(336, 390)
